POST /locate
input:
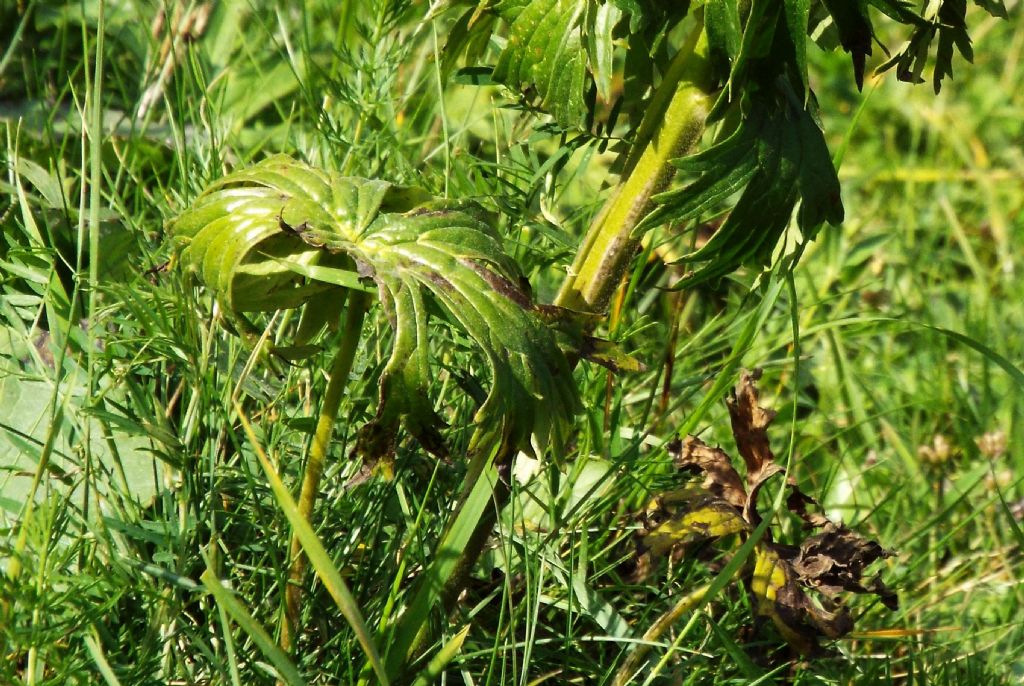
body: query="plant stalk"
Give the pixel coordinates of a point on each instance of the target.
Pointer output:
(484, 494)
(627, 672)
(672, 125)
(340, 370)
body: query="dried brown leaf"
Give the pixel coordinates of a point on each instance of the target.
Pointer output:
(835, 560)
(793, 586)
(780, 597)
(797, 502)
(750, 427)
(720, 477)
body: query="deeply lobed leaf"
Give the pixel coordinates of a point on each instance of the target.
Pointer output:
(262, 237)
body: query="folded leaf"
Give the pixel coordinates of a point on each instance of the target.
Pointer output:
(264, 237)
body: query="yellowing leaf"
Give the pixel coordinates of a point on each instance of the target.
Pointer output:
(682, 518)
(779, 596)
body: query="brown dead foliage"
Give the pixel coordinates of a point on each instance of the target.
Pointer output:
(798, 587)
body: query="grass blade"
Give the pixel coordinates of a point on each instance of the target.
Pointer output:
(226, 600)
(317, 554)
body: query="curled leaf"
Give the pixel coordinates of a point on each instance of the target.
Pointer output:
(720, 478)
(750, 424)
(277, 234)
(780, 597)
(836, 559)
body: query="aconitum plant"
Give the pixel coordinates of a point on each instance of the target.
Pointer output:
(711, 110)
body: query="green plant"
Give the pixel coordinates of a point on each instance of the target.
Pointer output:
(284, 235)
(740, 65)
(147, 459)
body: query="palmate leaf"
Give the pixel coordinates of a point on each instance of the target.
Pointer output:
(556, 51)
(281, 232)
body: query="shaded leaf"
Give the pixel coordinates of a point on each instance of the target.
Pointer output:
(855, 32)
(775, 157)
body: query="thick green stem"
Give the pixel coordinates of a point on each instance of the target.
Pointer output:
(317, 456)
(673, 124)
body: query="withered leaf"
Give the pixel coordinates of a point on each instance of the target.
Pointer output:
(781, 578)
(835, 560)
(750, 427)
(682, 518)
(797, 502)
(720, 478)
(779, 596)
(750, 512)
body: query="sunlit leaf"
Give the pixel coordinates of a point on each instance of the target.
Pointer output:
(775, 158)
(545, 54)
(281, 234)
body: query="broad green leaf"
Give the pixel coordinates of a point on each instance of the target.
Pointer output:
(126, 463)
(282, 234)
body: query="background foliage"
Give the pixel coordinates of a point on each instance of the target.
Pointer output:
(882, 356)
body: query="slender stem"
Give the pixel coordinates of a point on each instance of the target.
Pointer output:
(627, 672)
(673, 124)
(317, 456)
(485, 491)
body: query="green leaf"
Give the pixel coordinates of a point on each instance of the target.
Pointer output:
(601, 21)
(282, 234)
(127, 459)
(797, 13)
(545, 55)
(227, 600)
(318, 557)
(855, 32)
(776, 156)
(722, 23)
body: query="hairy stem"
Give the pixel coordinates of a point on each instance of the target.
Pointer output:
(317, 456)
(672, 125)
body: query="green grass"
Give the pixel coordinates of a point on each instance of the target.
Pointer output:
(118, 376)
